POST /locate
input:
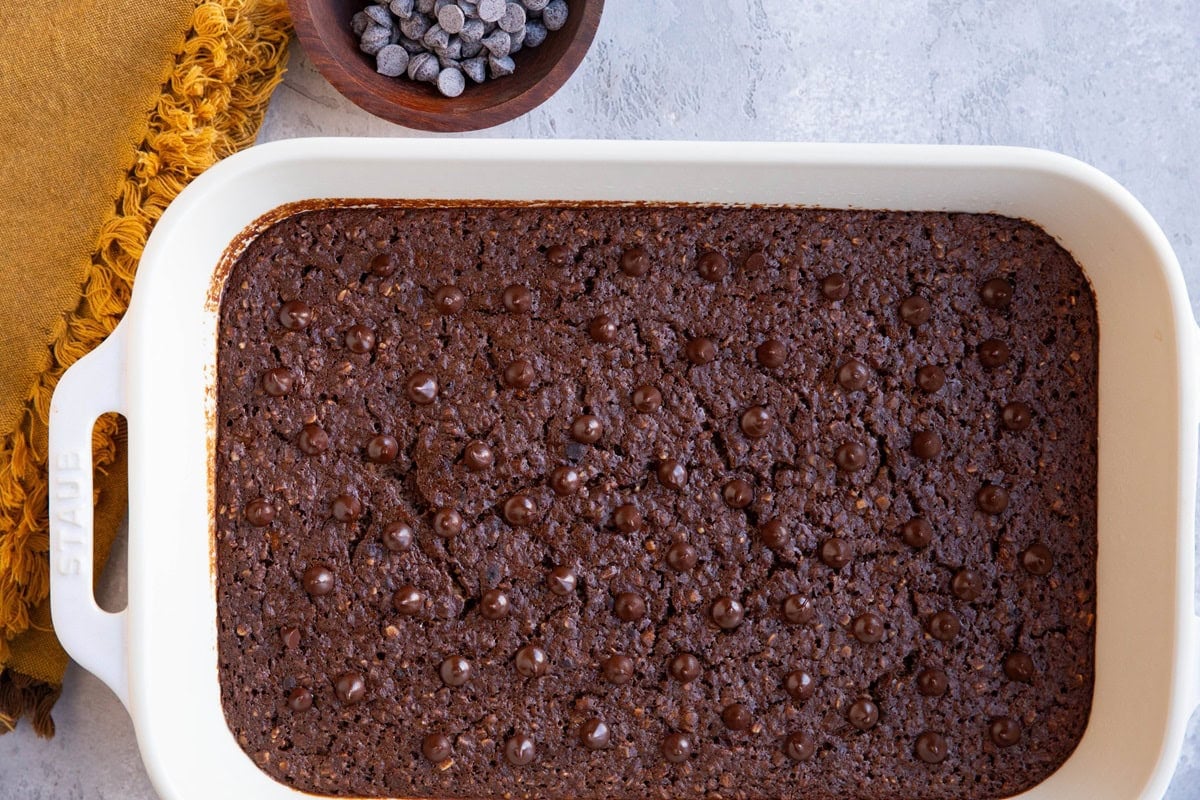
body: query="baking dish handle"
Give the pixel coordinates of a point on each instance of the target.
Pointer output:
(95, 638)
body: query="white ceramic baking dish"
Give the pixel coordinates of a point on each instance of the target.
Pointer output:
(160, 655)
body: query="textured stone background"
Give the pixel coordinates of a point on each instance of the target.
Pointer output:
(1113, 82)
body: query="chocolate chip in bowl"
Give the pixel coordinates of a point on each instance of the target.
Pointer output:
(471, 38)
(447, 66)
(729, 530)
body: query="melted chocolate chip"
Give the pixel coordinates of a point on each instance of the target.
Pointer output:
(727, 612)
(447, 523)
(290, 636)
(408, 600)
(755, 260)
(800, 685)
(617, 669)
(295, 315)
(917, 532)
(967, 584)
(477, 456)
(701, 350)
(519, 750)
(853, 375)
(635, 262)
(520, 510)
(313, 440)
(931, 378)
(587, 429)
(672, 474)
(1016, 416)
(561, 581)
(647, 399)
(558, 255)
(260, 513)
(1004, 731)
(933, 682)
(422, 388)
(737, 717)
(494, 604)
(771, 353)
(360, 339)
(436, 747)
(835, 287)
(565, 480)
(712, 266)
(449, 300)
(383, 449)
(798, 609)
(996, 293)
(517, 299)
(868, 628)
(850, 457)
(300, 699)
(278, 382)
(455, 671)
(993, 353)
(1019, 667)
(836, 553)
(931, 747)
(350, 687)
(531, 661)
(926, 445)
(915, 311)
(629, 607)
(800, 746)
(992, 499)
(519, 374)
(863, 714)
(383, 265)
(346, 508)
(594, 734)
(943, 626)
(318, 580)
(681, 556)
(398, 536)
(1037, 559)
(676, 748)
(603, 329)
(684, 667)
(626, 518)
(757, 422)
(774, 534)
(738, 493)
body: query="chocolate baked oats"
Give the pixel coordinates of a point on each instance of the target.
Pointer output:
(638, 501)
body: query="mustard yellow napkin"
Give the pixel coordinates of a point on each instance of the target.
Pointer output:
(107, 109)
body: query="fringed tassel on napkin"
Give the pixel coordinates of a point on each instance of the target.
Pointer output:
(23, 696)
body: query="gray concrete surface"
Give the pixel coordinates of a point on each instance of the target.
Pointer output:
(1113, 82)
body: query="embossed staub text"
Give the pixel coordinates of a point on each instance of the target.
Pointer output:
(72, 511)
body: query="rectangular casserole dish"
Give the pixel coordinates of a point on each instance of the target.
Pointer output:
(158, 368)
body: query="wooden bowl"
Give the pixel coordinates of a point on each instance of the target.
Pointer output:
(324, 29)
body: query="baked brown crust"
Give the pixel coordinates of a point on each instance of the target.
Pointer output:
(796, 581)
